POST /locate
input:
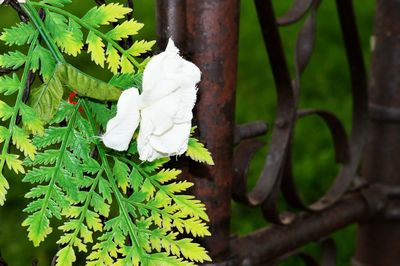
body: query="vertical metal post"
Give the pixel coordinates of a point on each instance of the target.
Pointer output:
(378, 239)
(207, 33)
(171, 22)
(213, 28)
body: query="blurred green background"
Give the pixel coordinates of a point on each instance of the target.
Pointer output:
(325, 84)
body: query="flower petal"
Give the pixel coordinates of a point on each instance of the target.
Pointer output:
(169, 95)
(121, 128)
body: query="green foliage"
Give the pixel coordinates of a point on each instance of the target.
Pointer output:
(16, 134)
(21, 34)
(115, 210)
(197, 152)
(12, 60)
(66, 30)
(46, 99)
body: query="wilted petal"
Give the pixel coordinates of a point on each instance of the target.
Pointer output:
(169, 95)
(121, 128)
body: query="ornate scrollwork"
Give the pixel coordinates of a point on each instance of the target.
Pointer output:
(277, 176)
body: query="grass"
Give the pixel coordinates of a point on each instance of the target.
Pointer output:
(325, 84)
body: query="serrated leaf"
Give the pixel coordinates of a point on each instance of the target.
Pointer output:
(77, 35)
(113, 59)
(21, 34)
(13, 163)
(197, 152)
(191, 206)
(192, 251)
(52, 135)
(4, 186)
(127, 80)
(65, 256)
(12, 60)
(124, 30)
(96, 48)
(167, 175)
(6, 111)
(140, 47)
(38, 228)
(121, 172)
(58, 27)
(105, 14)
(3, 134)
(9, 85)
(126, 65)
(43, 60)
(21, 140)
(31, 120)
(101, 113)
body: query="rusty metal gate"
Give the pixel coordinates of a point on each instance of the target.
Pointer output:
(207, 32)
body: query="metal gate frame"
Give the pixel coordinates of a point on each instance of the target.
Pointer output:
(207, 32)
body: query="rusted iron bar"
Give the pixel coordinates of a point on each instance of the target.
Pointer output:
(271, 243)
(171, 23)
(212, 35)
(250, 131)
(378, 239)
(207, 33)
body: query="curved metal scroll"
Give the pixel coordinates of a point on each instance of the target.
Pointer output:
(277, 176)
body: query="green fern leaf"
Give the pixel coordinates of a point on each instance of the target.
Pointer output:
(12, 60)
(105, 14)
(140, 47)
(23, 143)
(192, 251)
(43, 60)
(127, 80)
(121, 172)
(124, 30)
(6, 111)
(31, 120)
(60, 179)
(68, 41)
(9, 85)
(167, 175)
(113, 59)
(65, 256)
(4, 186)
(21, 34)
(13, 163)
(39, 227)
(191, 206)
(3, 134)
(96, 48)
(197, 152)
(53, 135)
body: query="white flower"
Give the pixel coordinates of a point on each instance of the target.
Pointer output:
(169, 95)
(121, 128)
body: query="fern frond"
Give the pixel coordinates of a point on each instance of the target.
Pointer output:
(197, 152)
(12, 60)
(54, 200)
(9, 85)
(105, 14)
(14, 133)
(21, 34)
(124, 30)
